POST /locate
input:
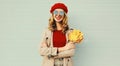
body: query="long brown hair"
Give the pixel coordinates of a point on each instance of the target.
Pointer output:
(64, 23)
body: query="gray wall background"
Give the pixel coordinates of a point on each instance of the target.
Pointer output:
(22, 22)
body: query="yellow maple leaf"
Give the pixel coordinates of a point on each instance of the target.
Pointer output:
(75, 36)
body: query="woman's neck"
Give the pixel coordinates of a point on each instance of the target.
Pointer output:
(59, 26)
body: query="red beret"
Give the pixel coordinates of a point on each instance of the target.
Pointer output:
(59, 5)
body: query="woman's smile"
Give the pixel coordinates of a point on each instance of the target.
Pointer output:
(58, 17)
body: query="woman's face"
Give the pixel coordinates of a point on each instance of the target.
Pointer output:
(58, 15)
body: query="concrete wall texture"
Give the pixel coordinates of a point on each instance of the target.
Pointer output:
(22, 22)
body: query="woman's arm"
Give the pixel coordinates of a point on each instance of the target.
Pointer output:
(66, 51)
(44, 50)
(68, 46)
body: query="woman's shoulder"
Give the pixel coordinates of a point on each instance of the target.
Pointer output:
(46, 31)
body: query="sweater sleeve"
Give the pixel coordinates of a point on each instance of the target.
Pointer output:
(46, 50)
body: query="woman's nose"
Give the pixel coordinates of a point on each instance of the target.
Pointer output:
(58, 14)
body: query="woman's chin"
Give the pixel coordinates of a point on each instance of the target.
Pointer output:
(58, 20)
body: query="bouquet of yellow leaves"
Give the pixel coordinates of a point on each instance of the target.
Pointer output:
(75, 36)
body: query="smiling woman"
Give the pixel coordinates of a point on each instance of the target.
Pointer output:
(58, 15)
(55, 46)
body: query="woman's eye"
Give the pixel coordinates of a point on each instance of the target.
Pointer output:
(61, 13)
(55, 12)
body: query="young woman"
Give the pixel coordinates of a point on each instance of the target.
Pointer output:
(55, 46)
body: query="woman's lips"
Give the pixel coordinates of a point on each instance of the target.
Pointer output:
(58, 17)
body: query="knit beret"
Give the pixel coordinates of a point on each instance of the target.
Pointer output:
(59, 6)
